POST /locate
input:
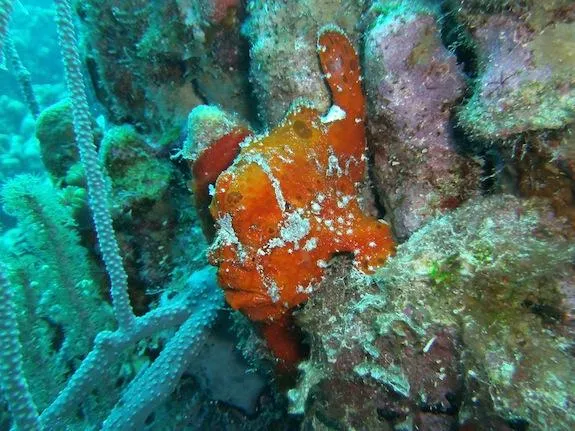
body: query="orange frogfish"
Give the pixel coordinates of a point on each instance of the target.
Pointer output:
(289, 202)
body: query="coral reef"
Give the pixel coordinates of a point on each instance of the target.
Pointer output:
(151, 74)
(524, 88)
(20, 151)
(133, 165)
(38, 54)
(526, 73)
(140, 178)
(461, 334)
(22, 76)
(414, 83)
(13, 380)
(54, 285)
(290, 144)
(55, 133)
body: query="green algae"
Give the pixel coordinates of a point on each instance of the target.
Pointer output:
(135, 172)
(55, 131)
(542, 95)
(555, 47)
(533, 106)
(497, 278)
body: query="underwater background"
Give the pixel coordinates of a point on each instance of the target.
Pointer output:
(287, 215)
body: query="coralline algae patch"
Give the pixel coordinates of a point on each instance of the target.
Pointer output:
(285, 207)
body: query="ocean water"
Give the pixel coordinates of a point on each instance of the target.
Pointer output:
(287, 215)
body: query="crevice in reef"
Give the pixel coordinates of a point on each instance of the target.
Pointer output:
(457, 39)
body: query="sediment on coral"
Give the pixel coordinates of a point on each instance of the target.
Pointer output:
(471, 322)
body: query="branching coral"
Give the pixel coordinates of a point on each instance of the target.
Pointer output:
(54, 283)
(5, 12)
(12, 378)
(191, 312)
(22, 77)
